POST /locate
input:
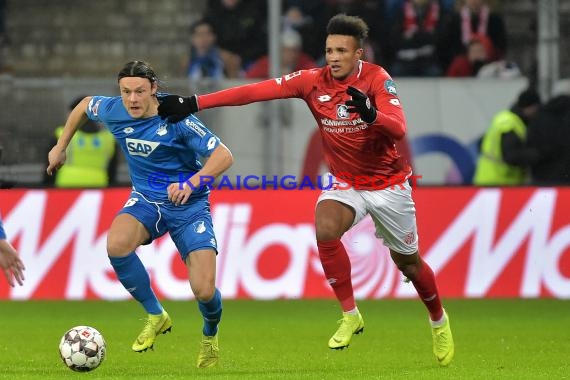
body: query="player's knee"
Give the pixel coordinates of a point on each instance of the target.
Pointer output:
(327, 229)
(119, 245)
(410, 271)
(204, 293)
(409, 265)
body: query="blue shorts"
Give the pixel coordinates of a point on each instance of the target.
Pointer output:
(190, 225)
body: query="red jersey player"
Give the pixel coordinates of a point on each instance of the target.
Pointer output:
(360, 118)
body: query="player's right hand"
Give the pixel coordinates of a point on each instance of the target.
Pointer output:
(11, 264)
(56, 159)
(175, 108)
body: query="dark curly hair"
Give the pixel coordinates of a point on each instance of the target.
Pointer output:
(348, 26)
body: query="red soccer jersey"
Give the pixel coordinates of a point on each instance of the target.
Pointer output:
(363, 154)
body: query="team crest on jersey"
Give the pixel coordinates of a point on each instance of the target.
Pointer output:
(199, 227)
(161, 131)
(342, 111)
(141, 148)
(390, 87)
(128, 130)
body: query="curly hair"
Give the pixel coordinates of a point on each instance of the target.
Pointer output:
(348, 26)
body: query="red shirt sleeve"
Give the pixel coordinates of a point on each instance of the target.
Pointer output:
(293, 85)
(389, 116)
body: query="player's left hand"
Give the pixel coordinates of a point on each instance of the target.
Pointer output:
(179, 193)
(361, 104)
(175, 108)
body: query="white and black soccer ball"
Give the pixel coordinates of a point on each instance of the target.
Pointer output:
(82, 348)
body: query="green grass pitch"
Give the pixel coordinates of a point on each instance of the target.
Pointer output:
(494, 339)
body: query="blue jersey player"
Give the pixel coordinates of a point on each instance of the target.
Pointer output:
(164, 160)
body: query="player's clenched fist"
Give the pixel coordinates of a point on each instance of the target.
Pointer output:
(56, 159)
(361, 104)
(175, 108)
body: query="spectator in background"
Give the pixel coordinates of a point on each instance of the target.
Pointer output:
(414, 37)
(305, 18)
(204, 60)
(469, 64)
(505, 158)
(549, 133)
(92, 157)
(477, 62)
(241, 30)
(474, 18)
(292, 57)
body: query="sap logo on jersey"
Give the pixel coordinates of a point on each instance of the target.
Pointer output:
(141, 147)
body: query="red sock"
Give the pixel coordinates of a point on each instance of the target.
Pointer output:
(336, 265)
(427, 290)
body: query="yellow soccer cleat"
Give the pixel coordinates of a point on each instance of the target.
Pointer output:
(154, 325)
(443, 347)
(209, 352)
(349, 324)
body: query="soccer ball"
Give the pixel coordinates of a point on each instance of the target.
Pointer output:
(82, 348)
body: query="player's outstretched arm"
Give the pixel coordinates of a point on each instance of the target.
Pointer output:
(175, 107)
(76, 118)
(11, 263)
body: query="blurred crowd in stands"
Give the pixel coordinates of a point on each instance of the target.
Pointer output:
(410, 38)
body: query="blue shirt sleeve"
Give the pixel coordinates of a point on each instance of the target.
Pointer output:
(198, 137)
(104, 108)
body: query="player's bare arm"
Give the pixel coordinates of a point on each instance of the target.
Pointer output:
(220, 161)
(77, 117)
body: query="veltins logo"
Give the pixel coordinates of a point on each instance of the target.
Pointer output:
(142, 148)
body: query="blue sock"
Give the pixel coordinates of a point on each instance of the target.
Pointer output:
(212, 313)
(134, 277)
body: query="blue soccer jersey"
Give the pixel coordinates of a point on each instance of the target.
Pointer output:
(157, 152)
